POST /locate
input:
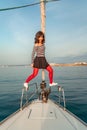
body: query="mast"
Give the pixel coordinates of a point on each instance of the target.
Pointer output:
(43, 15)
(43, 18)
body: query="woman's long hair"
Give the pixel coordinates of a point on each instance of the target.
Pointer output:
(38, 34)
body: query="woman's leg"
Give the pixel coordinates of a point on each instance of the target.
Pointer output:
(50, 70)
(33, 75)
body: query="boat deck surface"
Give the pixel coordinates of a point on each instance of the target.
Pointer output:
(42, 116)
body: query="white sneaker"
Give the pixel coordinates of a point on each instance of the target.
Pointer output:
(26, 86)
(53, 84)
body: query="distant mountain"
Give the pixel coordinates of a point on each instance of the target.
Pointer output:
(70, 59)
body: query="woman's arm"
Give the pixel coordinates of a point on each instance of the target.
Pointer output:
(33, 54)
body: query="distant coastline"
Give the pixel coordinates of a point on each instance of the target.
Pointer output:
(70, 64)
(52, 64)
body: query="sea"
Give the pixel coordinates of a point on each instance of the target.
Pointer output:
(72, 79)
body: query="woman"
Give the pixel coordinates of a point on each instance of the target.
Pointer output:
(39, 60)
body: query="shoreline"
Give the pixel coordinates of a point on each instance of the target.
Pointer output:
(62, 65)
(52, 64)
(67, 64)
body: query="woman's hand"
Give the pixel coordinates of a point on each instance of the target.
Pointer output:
(32, 65)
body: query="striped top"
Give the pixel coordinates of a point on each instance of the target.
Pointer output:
(38, 51)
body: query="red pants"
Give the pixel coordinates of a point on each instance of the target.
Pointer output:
(35, 72)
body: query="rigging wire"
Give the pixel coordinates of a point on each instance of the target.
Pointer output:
(23, 6)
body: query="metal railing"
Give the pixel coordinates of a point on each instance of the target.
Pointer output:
(26, 94)
(62, 96)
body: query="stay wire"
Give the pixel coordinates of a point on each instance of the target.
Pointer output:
(18, 7)
(23, 6)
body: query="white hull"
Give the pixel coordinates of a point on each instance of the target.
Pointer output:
(43, 116)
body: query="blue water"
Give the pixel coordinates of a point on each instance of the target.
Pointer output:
(72, 79)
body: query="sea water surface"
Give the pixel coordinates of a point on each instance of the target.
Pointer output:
(72, 79)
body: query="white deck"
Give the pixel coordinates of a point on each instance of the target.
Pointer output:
(43, 116)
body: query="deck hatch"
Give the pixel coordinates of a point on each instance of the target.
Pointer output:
(42, 113)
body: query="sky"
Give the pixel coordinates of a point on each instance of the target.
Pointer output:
(66, 30)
